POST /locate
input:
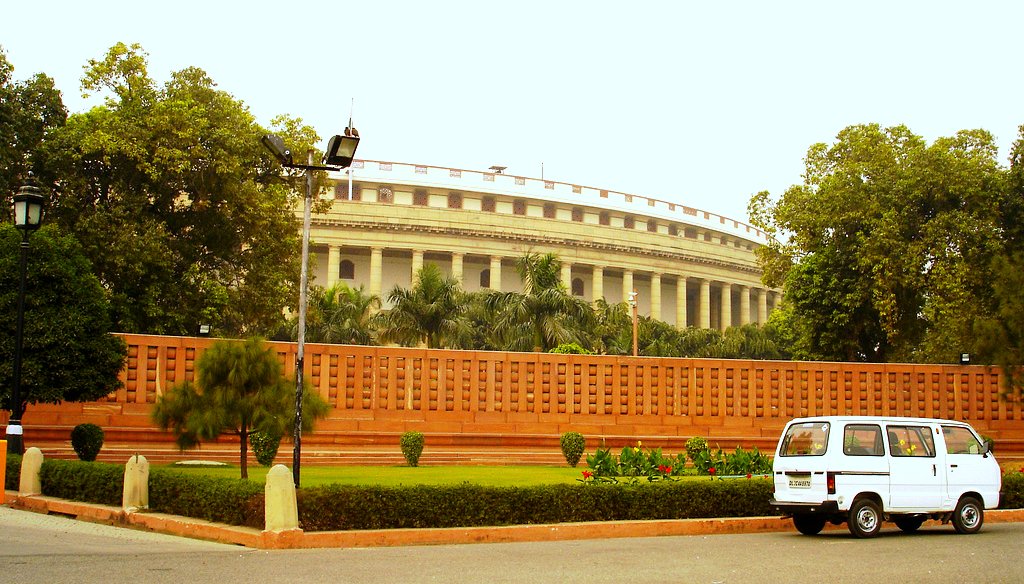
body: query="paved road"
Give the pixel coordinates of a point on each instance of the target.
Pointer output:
(37, 548)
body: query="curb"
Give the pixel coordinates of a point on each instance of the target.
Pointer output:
(298, 539)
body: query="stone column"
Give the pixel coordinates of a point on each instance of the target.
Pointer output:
(280, 511)
(704, 307)
(726, 318)
(567, 275)
(627, 284)
(333, 264)
(457, 268)
(496, 273)
(744, 305)
(598, 283)
(656, 296)
(376, 270)
(762, 306)
(681, 302)
(417, 265)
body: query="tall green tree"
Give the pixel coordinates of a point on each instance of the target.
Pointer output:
(238, 389)
(29, 112)
(544, 315)
(428, 314)
(186, 218)
(68, 353)
(884, 249)
(339, 314)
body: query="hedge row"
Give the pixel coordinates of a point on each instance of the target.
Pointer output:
(12, 480)
(343, 507)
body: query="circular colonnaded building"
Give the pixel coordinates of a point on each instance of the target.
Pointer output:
(688, 266)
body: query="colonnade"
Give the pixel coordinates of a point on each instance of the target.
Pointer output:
(691, 295)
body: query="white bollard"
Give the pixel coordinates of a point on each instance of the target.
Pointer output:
(30, 463)
(136, 484)
(281, 512)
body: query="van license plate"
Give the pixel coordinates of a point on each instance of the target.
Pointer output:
(802, 481)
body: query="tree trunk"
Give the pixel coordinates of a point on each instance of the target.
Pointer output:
(243, 454)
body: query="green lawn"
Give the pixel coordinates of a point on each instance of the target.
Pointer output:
(404, 475)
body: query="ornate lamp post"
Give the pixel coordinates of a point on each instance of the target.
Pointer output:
(28, 216)
(340, 152)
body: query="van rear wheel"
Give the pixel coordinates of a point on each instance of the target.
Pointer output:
(865, 518)
(809, 524)
(968, 515)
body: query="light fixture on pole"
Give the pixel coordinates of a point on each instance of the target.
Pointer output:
(341, 150)
(632, 303)
(28, 216)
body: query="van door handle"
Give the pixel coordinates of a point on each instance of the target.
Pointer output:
(952, 466)
(934, 472)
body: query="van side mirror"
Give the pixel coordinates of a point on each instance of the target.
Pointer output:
(986, 448)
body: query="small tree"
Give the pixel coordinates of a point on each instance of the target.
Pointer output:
(238, 389)
(412, 447)
(573, 444)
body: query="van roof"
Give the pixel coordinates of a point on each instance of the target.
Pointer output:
(897, 419)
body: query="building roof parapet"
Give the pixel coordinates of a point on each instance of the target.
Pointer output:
(546, 190)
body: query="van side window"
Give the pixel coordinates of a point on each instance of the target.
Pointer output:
(863, 440)
(960, 440)
(911, 441)
(806, 439)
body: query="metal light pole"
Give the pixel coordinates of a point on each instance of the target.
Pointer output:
(28, 215)
(340, 152)
(632, 302)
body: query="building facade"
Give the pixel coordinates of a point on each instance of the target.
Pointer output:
(689, 267)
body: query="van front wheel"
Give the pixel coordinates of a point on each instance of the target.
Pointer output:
(865, 518)
(968, 516)
(809, 524)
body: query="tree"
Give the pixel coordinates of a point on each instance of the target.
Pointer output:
(339, 314)
(186, 218)
(544, 315)
(884, 249)
(238, 389)
(68, 353)
(29, 112)
(428, 314)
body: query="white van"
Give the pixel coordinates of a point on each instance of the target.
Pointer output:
(865, 469)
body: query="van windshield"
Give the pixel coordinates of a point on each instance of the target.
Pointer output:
(805, 439)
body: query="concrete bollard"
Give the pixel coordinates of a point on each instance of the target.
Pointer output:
(30, 463)
(136, 484)
(281, 512)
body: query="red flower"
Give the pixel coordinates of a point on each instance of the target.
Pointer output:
(668, 470)
(748, 475)
(587, 474)
(711, 471)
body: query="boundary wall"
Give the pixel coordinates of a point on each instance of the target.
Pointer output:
(520, 403)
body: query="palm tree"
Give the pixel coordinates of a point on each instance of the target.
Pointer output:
(613, 331)
(340, 314)
(544, 314)
(429, 314)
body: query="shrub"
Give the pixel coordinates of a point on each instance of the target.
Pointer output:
(92, 482)
(87, 440)
(1012, 494)
(224, 500)
(339, 507)
(633, 463)
(571, 349)
(412, 447)
(695, 447)
(12, 480)
(573, 444)
(264, 446)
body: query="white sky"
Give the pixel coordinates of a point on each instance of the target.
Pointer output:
(701, 103)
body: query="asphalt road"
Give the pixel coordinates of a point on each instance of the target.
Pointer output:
(37, 548)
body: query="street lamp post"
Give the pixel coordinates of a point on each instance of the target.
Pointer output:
(28, 215)
(340, 152)
(632, 303)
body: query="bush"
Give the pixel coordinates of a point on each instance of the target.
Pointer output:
(412, 447)
(573, 444)
(571, 349)
(264, 446)
(92, 482)
(87, 440)
(1012, 494)
(340, 507)
(695, 448)
(12, 480)
(231, 501)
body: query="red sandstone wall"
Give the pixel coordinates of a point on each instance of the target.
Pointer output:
(472, 398)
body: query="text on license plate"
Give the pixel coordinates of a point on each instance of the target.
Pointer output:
(800, 481)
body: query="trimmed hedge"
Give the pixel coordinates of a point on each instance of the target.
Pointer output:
(75, 480)
(231, 501)
(342, 507)
(1012, 495)
(12, 480)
